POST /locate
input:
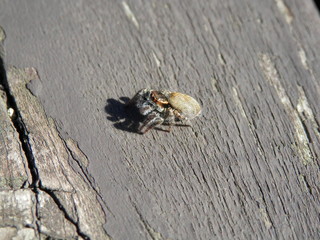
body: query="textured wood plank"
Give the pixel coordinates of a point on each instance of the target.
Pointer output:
(248, 168)
(67, 205)
(14, 172)
(18, 214)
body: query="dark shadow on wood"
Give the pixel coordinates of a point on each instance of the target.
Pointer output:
(162, 129)
(3, 77)
(317, 3)
(126, 118)
(177, 125)
(169, 128)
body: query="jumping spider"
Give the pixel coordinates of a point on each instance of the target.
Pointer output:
(163, 107)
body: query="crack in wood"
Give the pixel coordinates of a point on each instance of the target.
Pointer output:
(24, 139)
(36, 185)
(152, 233)
(82, 161)
(301, 133)
(65, 212)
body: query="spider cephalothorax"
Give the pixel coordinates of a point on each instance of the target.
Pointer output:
(164, 107)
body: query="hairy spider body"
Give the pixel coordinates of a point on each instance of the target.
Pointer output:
(164, 107)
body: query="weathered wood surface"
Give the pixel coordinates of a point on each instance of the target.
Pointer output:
(248, 168)
(62, 195)
(41, 193)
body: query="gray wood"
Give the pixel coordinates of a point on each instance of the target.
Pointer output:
(248, 168)
(13, 163)
(64, 203)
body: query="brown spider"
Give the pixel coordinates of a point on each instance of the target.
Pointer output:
(163, 107)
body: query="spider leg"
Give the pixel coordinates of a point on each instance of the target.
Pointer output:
(150, 122)
(145, 108)
(184, 123)
(176, 119)
(170, 119)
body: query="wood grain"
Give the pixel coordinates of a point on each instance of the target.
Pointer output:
(66, 204)
(248, 168)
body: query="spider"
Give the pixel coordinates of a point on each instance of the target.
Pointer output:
(163, 107)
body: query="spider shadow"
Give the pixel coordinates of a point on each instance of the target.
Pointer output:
(124, 117)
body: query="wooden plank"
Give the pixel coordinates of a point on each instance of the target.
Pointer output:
(41, 195)
(13, 164)
(67, 205)
(247, 168)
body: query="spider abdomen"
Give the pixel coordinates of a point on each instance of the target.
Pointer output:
(186, 105)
